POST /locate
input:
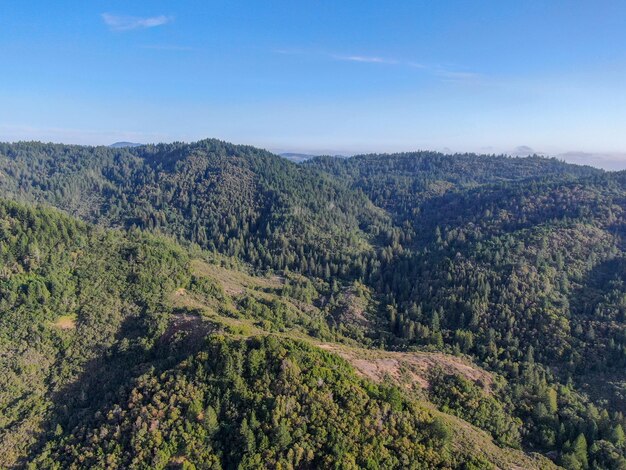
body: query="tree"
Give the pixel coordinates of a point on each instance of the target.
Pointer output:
(579, 450)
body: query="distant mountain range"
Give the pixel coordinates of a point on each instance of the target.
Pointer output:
(118, 145)
(302, 157)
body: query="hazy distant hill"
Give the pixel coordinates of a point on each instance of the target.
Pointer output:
(297, 157)
(302, 157)
(118, 145)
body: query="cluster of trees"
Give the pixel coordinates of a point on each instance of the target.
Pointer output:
(256, 403)
(238, 200)
(68, 293)
(99, 371)
(518, 263)
(524, 276)
(559, 419)
(401, 182)
(278, 315)
(463, 398)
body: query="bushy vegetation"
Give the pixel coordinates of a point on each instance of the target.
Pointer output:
(463, 398)
(516, 263)
(255, 403)
(67, 292)
(238, 200)
(100, 372)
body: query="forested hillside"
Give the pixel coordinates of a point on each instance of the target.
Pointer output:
(400, 182)
(120, 351)
(68, 291)
(515, 263)
(238, 200)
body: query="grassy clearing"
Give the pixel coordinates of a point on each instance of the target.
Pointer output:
(234, 281)
(65, 322)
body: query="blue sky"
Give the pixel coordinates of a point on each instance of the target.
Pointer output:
(319, 76)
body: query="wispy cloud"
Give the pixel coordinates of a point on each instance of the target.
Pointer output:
(166, 47)
(439, 71)
(128, 23)
(442, 72)
(457, 77)
(366, 59)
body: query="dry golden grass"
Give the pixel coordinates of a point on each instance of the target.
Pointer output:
(233, 281)
(65, 322)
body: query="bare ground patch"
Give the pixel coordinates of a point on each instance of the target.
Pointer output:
(65, 322)
(409, 369)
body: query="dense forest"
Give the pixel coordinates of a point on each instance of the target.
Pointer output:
(238, 200)
(101, 369)
(119, 350)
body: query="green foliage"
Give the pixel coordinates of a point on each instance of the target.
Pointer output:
(207, 287)
(238, 200)
(67, 291)
(262, 402)
(518, 263)
(123, 381)
(462, 398)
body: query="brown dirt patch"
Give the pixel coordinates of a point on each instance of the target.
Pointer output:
(66, 322)
(409, 369)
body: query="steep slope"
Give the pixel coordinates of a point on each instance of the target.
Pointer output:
(68, 293)
(118, 351)
(528, 278)
(525, 252)
(517, 263)
(238, 200)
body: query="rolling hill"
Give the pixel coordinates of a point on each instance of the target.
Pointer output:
(121, 349)
(487, 291)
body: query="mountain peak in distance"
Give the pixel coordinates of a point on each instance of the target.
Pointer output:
(118, 145)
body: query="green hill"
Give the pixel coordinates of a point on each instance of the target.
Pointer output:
(238, 200)
(513, 264)
(119, 351)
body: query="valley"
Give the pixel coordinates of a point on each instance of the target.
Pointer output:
(209, 305)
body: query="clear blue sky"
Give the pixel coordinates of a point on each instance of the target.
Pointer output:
(318, 76)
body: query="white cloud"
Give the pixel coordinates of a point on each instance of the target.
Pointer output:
(366, 59)
(443, 73)
(166, 47)
(458, 77)
(127, 23)
(437, 70)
